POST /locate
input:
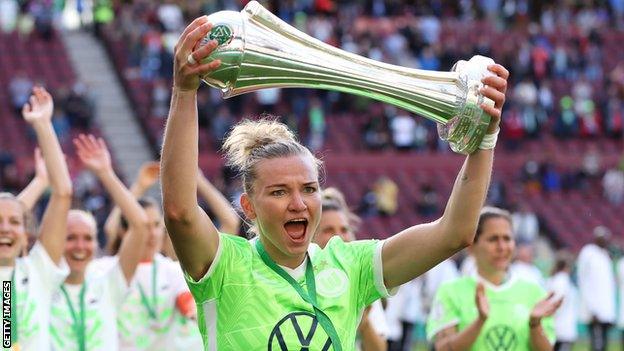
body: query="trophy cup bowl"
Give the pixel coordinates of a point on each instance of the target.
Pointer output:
(258, 50)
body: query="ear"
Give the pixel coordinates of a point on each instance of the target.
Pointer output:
(247, 206)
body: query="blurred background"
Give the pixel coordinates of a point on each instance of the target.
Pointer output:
(558, 168)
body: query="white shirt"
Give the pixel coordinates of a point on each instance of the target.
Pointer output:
(528, 272)
(138, 331)
(596, 284)
(566, 317)
(443, 272)
(103, 295)
(36, 279)
(405, 305)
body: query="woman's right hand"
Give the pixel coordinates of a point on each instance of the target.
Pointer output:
(482, 303)
(93, 153)
(186, 73)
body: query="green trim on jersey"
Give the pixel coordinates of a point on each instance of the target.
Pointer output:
(243, 304)
(507, 327)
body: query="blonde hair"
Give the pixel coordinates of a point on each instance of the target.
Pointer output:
(28, 220)
(333, 200)
(252, 141)
(86, 216)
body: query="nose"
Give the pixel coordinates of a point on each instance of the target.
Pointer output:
(296, 203)
(4, 226)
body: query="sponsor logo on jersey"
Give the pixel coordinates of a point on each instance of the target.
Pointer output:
(501, 338)
(302, 325)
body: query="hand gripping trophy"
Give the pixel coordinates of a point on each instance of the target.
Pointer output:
(258, 51)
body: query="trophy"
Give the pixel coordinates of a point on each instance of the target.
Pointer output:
(258, 50)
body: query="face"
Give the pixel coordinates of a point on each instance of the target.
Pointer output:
(285, 203)
(333, 223)
(156, 230)
(81, 243)
(494, 249)
(12, 231)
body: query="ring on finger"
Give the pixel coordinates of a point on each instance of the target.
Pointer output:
(191, 60)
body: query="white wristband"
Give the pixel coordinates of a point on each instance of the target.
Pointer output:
(489, 140)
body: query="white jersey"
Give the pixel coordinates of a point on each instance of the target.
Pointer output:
(36, 279)
(102, 295)
(566, 317)
(152, 322)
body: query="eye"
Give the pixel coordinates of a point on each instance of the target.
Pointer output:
(309, 189)
(279, 192)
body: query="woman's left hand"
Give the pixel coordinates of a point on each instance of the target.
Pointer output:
(545, 307)
(495, 87)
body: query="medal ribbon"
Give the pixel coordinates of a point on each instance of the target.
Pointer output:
(150, 306)
(309, 297)
(79, 320)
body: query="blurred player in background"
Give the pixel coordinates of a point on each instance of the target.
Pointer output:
(35, 277)
(510, 314)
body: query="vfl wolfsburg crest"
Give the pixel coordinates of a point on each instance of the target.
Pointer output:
(501, 338)
(302, 327)
(221, 33)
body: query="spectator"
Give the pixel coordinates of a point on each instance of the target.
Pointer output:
(20, 88)
(386, 192)
(597, 288)
(523, 267)
(525, 224)
(613, 186)
(9, 10)
(428, 204)
(403, 131)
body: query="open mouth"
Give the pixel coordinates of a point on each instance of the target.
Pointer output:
(78, 256)
(296, 229)
(6, 242)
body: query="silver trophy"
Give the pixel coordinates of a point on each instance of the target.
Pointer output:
(258, 51)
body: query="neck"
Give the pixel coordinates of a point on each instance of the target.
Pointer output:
(279, 257)
(148, 255)
(75, 278)
(496, 277)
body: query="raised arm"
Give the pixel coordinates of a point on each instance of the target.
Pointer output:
(37, 186)
(226, 215)
(95, 156)
(415, 250)
(192, 233)
(148, 176)
(38, 113)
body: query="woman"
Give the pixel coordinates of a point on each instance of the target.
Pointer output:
(492, 309)
(338, 220)
(85, 308)
(566, 321)
(159, 312)
(249, 293)
(35, 277)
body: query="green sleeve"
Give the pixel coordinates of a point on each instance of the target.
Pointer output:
(444, 313)
(361, 259)
(209, 286)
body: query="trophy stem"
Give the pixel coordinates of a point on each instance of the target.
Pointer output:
(286, 60)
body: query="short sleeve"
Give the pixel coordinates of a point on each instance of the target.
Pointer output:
(52, 275)
(443, 313)
(362, 260)
(210, 285)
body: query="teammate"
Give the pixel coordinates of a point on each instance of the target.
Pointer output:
(492, 309)
(159, 312)
(35, 277)
(85, 308)
(338, 220)
(277, 290)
